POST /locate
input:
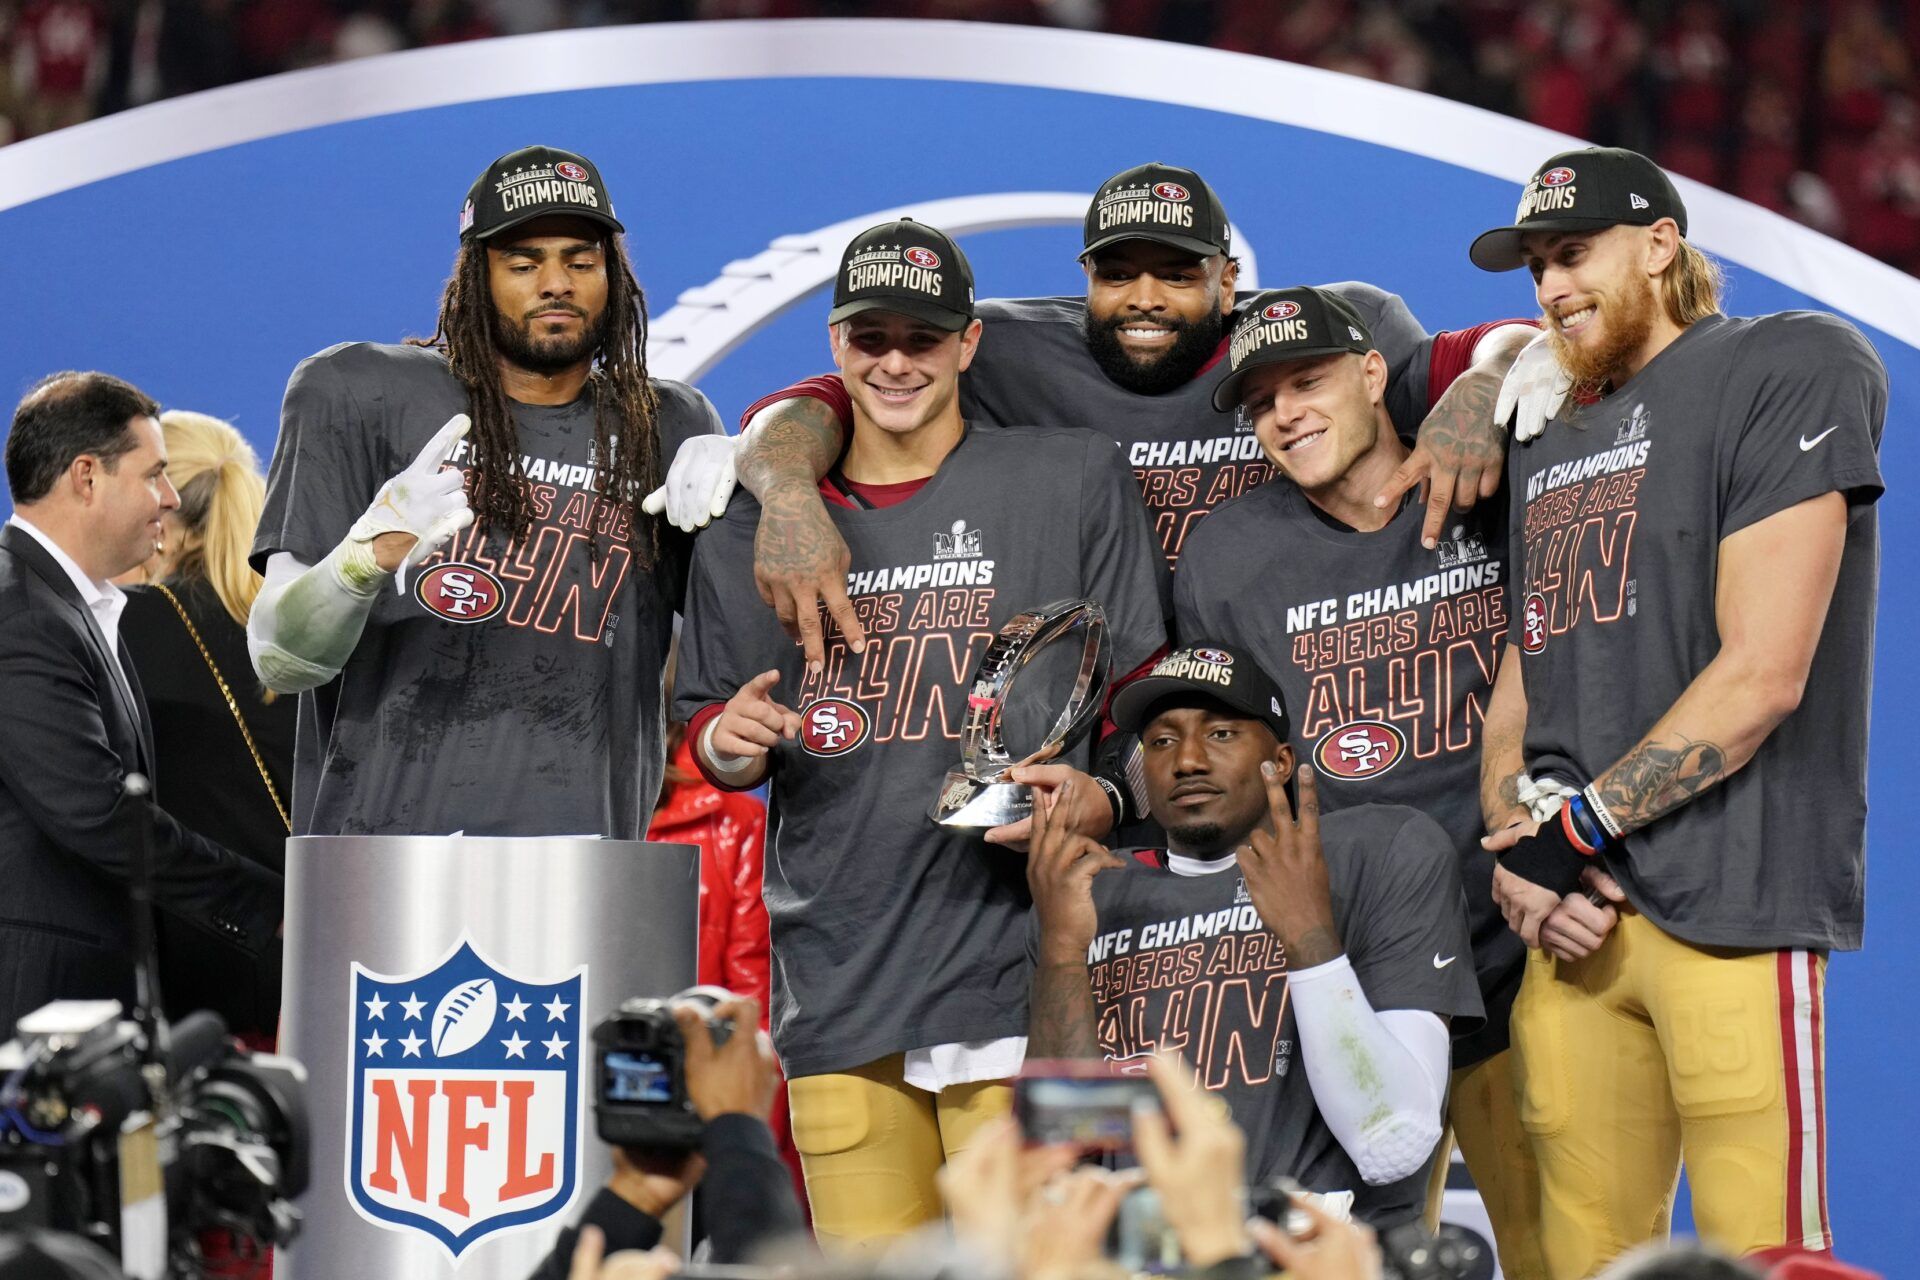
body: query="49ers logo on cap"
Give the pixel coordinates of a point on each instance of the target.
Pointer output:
(1282, 311)
(571, 171)
(1533, 623)
(1556, 177)
(460, 592)
(1360, 749)
(1218, 657)
(1170, 191)
(922, 257)
(833, 726)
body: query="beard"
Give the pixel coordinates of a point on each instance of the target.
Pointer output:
(1197, 839)
(1623, 331)
(547, 355)
(1193, 345)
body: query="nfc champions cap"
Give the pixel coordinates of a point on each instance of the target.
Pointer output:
(1587, 190)
(1289, 324)
(535, 182)
(1211, 671)
(1161, 203)
(905, 267)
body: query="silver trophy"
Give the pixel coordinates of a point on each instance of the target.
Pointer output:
(976, 792)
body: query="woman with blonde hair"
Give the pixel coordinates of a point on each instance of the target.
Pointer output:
(223, 746)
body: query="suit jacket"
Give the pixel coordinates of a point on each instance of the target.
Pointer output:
(72, 726)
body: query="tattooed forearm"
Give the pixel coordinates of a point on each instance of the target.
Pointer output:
(1061, 1017)
(1315, 946)
(791, 443)
(1460, 431)
(1655, 778)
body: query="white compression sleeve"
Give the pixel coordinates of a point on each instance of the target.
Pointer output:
(307, 619)
(1378, 1078)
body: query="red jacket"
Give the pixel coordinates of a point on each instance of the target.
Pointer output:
(731, 830)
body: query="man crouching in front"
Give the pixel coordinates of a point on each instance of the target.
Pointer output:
(1307, 968)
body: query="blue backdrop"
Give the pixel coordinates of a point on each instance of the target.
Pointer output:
(204, 278)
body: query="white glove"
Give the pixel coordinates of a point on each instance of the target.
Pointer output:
(699, 481)
(427, 500)
(1536, 386)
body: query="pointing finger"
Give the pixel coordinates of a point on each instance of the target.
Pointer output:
(441, 446)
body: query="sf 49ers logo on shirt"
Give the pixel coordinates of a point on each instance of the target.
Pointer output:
(459, 592)
(833, 726)
(1533, 623)
(1360, 749)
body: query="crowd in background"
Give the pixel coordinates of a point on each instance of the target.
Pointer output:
(1806, 108)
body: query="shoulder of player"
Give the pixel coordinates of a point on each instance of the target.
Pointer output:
(1395, 836)
(1368, 299)
(1260, 507)
(683, 406)
(373, 359)
(1793, 340)
(1036, 311)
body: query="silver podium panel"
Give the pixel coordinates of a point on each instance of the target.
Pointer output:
(440, 992)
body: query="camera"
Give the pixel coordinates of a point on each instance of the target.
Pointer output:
(98, 1133)
(640, 1072)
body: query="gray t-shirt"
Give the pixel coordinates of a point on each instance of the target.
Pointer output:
(514, 690)
(1385, 652)
(891, 933)
(1621, 506)
(1185, 962)
(1033, 365)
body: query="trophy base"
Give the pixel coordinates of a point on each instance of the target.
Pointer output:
(965, 801)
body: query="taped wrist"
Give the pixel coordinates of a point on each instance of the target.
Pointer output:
(1550, 857)
(720, 760)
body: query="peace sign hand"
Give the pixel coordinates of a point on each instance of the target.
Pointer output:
(1061, 865)
(1286, 874)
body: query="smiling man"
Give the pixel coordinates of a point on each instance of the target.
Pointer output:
(1307, 966)
(1385, 648)
(900, 975)
(459, 582)
(1692, 637)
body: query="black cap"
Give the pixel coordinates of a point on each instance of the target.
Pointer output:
(1586, 190)
(1208, 669)
(906, 267)
(1288, 324)
(1161, 203)
(535, 182)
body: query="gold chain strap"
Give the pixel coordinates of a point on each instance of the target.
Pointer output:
(272, 791)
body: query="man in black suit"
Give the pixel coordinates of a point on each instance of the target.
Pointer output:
(86, 466)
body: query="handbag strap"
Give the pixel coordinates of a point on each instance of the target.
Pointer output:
(273, 792)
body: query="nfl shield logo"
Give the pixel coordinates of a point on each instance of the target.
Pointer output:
(465, 1110)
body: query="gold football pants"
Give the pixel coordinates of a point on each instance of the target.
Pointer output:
(1651, 1051)
(871, 1146)
(1484, 1121)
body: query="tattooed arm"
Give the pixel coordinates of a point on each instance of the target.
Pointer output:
(1502, 763)
(1061, 866)
(1461, 452)
(799, 558)
(1776, 578)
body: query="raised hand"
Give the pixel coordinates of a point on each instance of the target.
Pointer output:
(753, 722)
(700, 480)
(1061, 865)
(1460, 454)
(1286, 873)
(420, 508)
(1196, 1166)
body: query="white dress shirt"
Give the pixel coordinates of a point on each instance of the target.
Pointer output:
(103, 599)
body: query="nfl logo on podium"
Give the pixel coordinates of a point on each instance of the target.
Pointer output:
(465, 1111)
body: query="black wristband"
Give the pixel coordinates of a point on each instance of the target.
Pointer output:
(1547, 858)
(1114, 783)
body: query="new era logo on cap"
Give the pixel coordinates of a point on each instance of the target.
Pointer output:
(908, 268)
(535, 182)
(1159, 203)
(1638, 201)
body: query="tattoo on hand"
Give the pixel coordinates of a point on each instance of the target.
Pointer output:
(796, 534)
(1315, 946)
(1655, 779)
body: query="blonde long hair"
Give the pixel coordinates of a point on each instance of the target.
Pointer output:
(221, 496)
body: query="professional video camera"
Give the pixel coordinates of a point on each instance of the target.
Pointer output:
(141, 1151)
(640, 1072)
(1408, 1251)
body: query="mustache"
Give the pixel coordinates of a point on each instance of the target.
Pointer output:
(1119, 322)
(547, 307)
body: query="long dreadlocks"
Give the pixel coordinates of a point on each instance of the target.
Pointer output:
(626, 441)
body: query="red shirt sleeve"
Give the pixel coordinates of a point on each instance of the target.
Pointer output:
(825, 387)
(1451, 353)
(697, 725)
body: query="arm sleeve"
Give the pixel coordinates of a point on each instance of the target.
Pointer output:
(1806, 404)
(747, 1191)
(58, 762)
(624, 1226)
(1122, 565)
(824, 387)
(1406, 929)
(1378, 1079)
(323, 475)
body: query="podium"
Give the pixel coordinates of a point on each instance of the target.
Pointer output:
(441, 992)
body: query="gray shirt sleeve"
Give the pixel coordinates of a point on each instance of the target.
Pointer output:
(1406, 928)
(1123, 567)
(322, 477)
(1807, 398)
(718, 634)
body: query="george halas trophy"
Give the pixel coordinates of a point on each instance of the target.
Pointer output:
(976, 793)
